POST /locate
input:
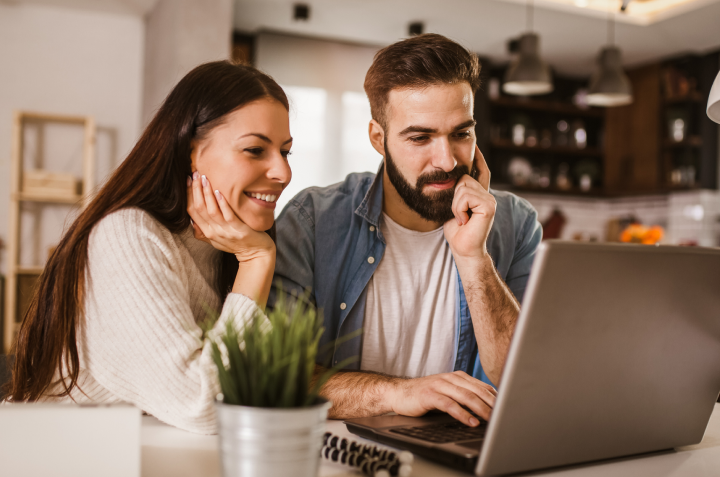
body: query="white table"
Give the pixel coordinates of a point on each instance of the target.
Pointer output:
(167, 451)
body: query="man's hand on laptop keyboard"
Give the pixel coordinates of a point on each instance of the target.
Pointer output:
(447, 392)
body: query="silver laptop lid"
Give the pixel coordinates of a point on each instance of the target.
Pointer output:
(616, 352)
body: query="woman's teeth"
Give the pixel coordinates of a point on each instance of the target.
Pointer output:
(265, 197)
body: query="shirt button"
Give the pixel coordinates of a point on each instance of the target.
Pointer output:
(372, 228)
(371, 260)
(343, 306)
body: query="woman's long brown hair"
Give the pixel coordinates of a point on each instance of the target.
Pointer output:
(153, 178)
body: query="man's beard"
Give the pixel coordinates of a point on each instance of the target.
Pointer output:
(433, 207)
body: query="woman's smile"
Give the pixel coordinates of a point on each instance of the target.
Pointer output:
(264, 198)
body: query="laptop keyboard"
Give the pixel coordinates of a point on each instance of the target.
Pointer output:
(444, 433)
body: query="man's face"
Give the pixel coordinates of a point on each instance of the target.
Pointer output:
(429, 145)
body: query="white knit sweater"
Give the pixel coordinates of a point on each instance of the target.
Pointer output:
(147, 290)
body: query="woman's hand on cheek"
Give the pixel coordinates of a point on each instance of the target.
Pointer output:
(215, 222)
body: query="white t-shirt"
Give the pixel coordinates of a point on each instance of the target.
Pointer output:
(409, 327)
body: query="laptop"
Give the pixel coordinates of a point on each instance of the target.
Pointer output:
(616, 352)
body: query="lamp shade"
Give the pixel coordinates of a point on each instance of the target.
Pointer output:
(528, 74)
(713, 107)
(609, 85)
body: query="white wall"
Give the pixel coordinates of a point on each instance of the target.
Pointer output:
(68, 61)
(329, 112)
(181, 34)
(687, 217)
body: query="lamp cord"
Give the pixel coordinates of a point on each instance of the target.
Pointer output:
(611, 28)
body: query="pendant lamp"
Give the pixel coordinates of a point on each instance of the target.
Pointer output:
(713, 107)
(609, 85)
(528, 74)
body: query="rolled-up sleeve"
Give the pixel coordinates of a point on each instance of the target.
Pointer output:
(527, 240)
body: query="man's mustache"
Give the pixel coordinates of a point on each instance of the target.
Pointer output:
(443, 176)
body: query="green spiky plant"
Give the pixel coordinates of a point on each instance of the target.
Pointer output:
(270, 362)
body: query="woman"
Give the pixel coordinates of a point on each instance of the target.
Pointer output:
(178, 230)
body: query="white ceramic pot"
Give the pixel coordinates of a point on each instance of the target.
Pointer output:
(271, 442)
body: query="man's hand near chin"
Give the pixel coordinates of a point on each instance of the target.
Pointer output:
(362, 394)
(493, 307)
(468, 235)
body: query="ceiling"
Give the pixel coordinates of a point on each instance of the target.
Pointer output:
(638, 12)
(570, 39)
(126, 7)
(570, 36)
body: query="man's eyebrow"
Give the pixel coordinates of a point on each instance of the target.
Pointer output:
(422, 129)
(465, 125)
(264, 138)
(414, 129)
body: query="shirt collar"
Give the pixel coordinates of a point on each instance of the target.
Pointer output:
(370, 208)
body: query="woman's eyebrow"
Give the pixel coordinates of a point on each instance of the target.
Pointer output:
(264, 138)
(257, 135)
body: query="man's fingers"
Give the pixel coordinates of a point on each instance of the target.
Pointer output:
(469, 198)
(476, 383)
(468, 398)
(486, 392)
(450, 406)
(483, 170)
(483, 391)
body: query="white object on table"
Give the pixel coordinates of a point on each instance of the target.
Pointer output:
(65, 440)
(170, 451)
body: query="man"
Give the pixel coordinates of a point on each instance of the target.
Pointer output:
(421, 266)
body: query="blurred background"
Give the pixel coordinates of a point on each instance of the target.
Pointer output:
(593, 110)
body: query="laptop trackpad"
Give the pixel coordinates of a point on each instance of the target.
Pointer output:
(474, 445)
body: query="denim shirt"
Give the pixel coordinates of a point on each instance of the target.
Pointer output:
(329, 242)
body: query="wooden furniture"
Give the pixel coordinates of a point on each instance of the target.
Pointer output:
(23, 277)
(634, 147)
(558, 138)
(689, 139)
(664, 141)
(632, 137)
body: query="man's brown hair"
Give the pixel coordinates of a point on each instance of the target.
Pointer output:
(419, 61)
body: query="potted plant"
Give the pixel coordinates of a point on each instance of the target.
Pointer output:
(271, 420)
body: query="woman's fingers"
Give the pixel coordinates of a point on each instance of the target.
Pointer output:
(227, 212)
(215, 222)
(211, 204)
(199, 211)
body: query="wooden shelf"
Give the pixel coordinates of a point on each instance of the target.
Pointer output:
(61, 199)
(692, 141)
(692, 97)
(559, 150)
(547, 106)
(574, 191)
(53, 118)
(594, 193)
(29, 270)
(20, 276)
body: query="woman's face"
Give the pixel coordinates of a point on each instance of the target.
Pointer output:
(245, 158)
